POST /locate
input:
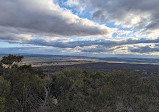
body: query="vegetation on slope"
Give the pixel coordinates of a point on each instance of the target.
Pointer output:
(26, 89)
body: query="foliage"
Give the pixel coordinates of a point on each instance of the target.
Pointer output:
(10, 59)
(77, 90)
(26, 89)
(4, 91)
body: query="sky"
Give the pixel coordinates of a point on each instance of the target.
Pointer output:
(104, 28)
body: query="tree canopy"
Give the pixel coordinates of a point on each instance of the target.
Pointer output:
(27, 89)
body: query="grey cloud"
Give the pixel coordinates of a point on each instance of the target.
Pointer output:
(102, 42)
(145, 49)
(120, 10)
(57, 43)
(97, 49)
(94, 46)
(35, 16)
(13, 37)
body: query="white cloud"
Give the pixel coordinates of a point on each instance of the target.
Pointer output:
(73, 2)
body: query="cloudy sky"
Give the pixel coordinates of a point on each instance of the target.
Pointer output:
(80, 27)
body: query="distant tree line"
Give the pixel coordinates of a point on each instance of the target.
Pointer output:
(26, 89)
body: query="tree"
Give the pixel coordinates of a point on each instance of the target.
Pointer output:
(10, 60)
(26, 89)
(26, 86)
(77, 90)
(4, 92)
(67, 88)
